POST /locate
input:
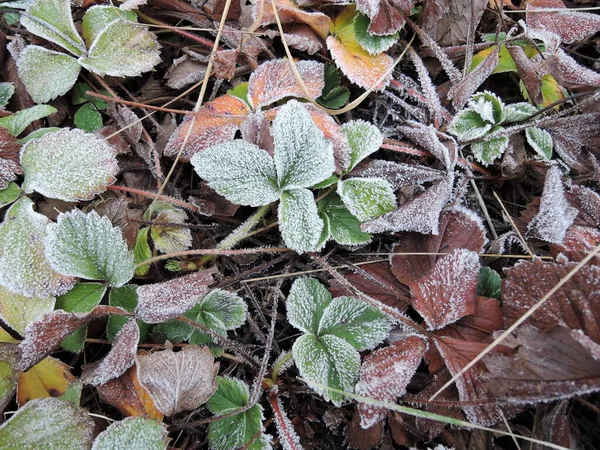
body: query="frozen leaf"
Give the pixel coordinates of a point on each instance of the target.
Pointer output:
(332, 133)
(237, 430)
(181, 381)
(69, 165)
(274, 80)
(163, 301)
(120, 357)
(572, 306)
(569, 72)
(578, 243)
(239, 171)
(88, 118)
(339, 223)
(306, 303)
(386, 15)
(24, 268)
(290, 13)
(215, 123)
(430, 139)
(17, 122)
(168, 230)
(49, 378)
(364, 139)
(133, 432)
(570, 25)
(359, 66)
(420, 214)
(385, 373)
(517, 112)
(8, 373)
(88, 246)
(468, 124)
(487, 151)
(489, 283)
(367, 198)
(48, 423)
(18, 311)
(124, 297)
(447, 292)
(547, 366)
(6, 92)
(488, 105)
(459, 228)
(51, 20)
(555, 215)
(122, 49)
(10, 194)
(36, 63)
(302, 155)
(462, 91)
(541, 141)
(299, 221)
(400, 175)
(9, 160)
(373, 44)
(98, 17)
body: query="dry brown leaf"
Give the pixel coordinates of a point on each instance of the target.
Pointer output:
(387, 16)
(449, 22)
(290, 13)
(9, 158)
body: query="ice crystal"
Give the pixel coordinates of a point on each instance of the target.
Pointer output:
(68, 164)
(180, 381)
(550, 224)
(24, 268)
(288, 438)
(568, 71)
(367, 198)
(133, 432)
(299, 221)
(64, 71)
(88, 246)
(363, 140)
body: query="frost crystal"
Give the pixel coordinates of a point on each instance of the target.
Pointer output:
(88, 246)
(570, 25)
(24, 268)
(70, 165)
(550, 224)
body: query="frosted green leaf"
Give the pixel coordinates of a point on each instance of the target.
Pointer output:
(24, 268)
(124, 297)
(122, 49)
(306, 303)
(69, 165)
(47, 423)
(517, 112)
(468, 124)
(142, 251)
(541, 141)
(36, 134)
(18, 311)
(132, 433)
(363, 138)
(342, 226)
(6, 92)
(373, 44)
(235, 431)
(489, 283)
(327, 360)
(9, 375)
(299, 221)
(487, 151)
(240, 172)
(51, 20)
(352, 320)
(17, 122)
(303, 157)
(488, 105)
(98, 17)
(46, 74)
(88, 246)
(9, 194)
(367, 198)
(88, 118)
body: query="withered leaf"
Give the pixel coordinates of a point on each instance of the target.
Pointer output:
(9, 158)
(387, 16)
(289, 13)
(578, 243)
(570, 25)
(449, 22)
(180, 381)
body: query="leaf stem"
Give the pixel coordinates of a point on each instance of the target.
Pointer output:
(278, 365)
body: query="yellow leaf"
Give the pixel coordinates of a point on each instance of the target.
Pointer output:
(48, 378)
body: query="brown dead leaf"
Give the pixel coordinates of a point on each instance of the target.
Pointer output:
(578, 243)
(180, 381)
(449, 22)
(289, 13)
(9, 158)
(360, 438)
(387, 16)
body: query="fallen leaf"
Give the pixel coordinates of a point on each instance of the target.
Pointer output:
(9, 158)
(288, 12)
(181, 381)
(570, 25)
(48, 378)
(387, 16)
(449, 22)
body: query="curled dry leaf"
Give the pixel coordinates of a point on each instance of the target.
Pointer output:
(180, 381)
(385, 373)
(160, 302)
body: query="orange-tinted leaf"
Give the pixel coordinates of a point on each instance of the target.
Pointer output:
(331, 131)
(570, 25)
(216, 122)
(274, 80)
(48, 378)
(128, 396)
(290, 13)
(359, 66)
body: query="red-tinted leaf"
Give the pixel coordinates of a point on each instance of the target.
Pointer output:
(528, 71)
(163, 301)
(387, 16)
(465, 88)
(9, 158)
(569, 72)
(179, 381)
(574, 305)
(448, 291)
(274, 80)
(578, 243)
(480, 325)
(547, 366)
(399, 175)
(216, 122)
(570, 25)
(378, 282)
(552, 424)
(430, 139)
(459, 228)
(588, 203)
(289, 13)
(331, 131)
(362, 439)
(120, 357)
(385, 374)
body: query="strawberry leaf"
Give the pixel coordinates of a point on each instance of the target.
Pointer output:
(133, 432)
(17, 122)
(363, 139)
(486, 152)
(541, 141)
(367, 198)
(299, 221)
